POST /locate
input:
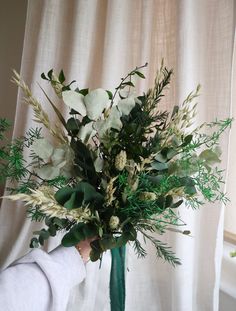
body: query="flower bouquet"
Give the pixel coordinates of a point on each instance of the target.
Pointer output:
(117, 167)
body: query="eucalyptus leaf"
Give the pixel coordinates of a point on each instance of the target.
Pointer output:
(63, 195)
(161, 158)
(159, 166)
(69, 240)
(75, 201)
(74, 236)
(48, 172)
(75, 101)
(96, 101)
(126, 105)
(209, 156)
(171, 153)
(86, 132)
(42, 148)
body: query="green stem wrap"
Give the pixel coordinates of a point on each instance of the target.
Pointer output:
(117, 279)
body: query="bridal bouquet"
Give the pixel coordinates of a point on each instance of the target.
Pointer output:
(117, 167)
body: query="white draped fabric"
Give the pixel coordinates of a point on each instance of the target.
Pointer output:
(96, 42)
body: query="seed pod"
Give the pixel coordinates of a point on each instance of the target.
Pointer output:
(120, 160)
(147, 196)
(114, 222)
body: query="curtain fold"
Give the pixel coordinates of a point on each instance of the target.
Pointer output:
(97, 42)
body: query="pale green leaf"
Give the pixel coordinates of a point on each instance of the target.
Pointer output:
(126, 105)
(86, 132)
(48, 172)
(42, 148)
(75, 101)
(96, 101)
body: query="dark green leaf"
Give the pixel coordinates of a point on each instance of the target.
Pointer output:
(140, 74)
(44, 234)
(50, 74)
(52, 230)
(44, 77)
(155, 180)
(75, 201)
(63, 194)
(94, 255)
(83, 159)
(187, 140)
(90, 193)
(74, 236)
(110, 95)
(84, 91)
(69, 240)
(65, 88)
(59, 222)
(177, 204)
(34, 243)
(168, 201)
(129, 83)
(73, 125)
(161, 202)
(96, 251)
(61, 77)
(129, 232)
(90, 230)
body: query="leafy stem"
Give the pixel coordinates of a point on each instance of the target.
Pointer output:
(131, 73)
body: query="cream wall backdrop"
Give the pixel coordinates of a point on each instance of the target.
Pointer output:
(96, 42)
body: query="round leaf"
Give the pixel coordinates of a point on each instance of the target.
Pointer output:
(75, 101)
(96, 101)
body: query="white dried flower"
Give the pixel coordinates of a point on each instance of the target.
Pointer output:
(114, 222)
(120, 160)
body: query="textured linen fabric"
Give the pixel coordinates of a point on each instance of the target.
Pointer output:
(41, 281)
(97, 42)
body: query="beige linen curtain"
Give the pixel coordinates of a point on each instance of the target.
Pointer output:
(96, 42)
